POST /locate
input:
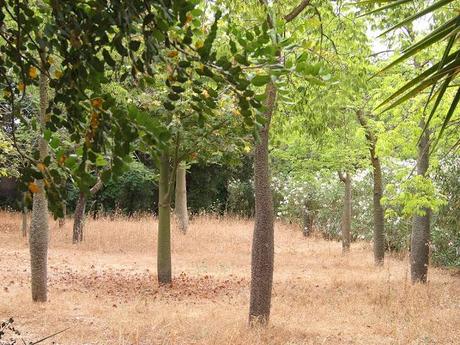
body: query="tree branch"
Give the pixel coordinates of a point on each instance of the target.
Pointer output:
(296, 11)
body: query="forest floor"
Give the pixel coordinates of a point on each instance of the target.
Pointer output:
(105, 289)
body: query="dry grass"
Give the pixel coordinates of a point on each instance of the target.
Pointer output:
(105, 290)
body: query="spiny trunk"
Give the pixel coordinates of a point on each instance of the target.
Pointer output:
(164, 224)
(24, 214)
(64, 215)
(39, 229)
(80, 213)
(181, 198)
(79, 219)
(263, 238)
(379, 220)
(346, 217)
(420, 239)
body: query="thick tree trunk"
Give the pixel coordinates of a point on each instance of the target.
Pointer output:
(420, 239)
(24, 215)
(39, 229)
(346, 216)
(164, 224)
(181, 198)
(379, 220)
(263, 238)
(80, 213)
(79, 219)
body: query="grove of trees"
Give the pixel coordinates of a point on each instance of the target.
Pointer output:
(290, 110)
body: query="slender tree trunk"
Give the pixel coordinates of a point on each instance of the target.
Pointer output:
(346, 217)
(79, 219)
(164, 224)
(420, 239)
(39, 229)
(181, 198)
(64, 215)
(263, 238)
(80, 213)
(24, 214)
(307, 221)
(379, 220)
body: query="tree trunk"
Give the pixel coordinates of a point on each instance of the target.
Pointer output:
(39, 229)
(79, 215)
(24, 214)
(346, 217)
(64, 215)
(164, 223)
(379, 220)
(420, 239)
(181, 198)
(263, 238)
(307, 221)
(79, 219)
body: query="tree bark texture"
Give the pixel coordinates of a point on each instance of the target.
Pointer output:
(420, 239)
(379, 213)
(346, 216)
(181, 198)
(164, 224)
(80, 213)
(79, 219)
(263, 238)
(39, 236)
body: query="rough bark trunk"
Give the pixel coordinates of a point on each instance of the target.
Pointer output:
(164, 224)
(79, 219)
(79, 215)
(181, 198)
(379, 220)
(420, 239)
(263, 238)
(24, 215)
(39, 229)
(346, 216)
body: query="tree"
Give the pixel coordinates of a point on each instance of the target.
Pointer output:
(180, 200)
(420, 238)
(39, 225)
(378, 211)
(345, 177)
(79, 215)
(262, 257)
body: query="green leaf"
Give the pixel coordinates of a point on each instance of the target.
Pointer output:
(260, 80)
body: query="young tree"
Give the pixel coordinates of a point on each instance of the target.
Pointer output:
(378, 211)
(345, 177)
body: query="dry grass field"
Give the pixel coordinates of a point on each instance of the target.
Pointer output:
(105, 289)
